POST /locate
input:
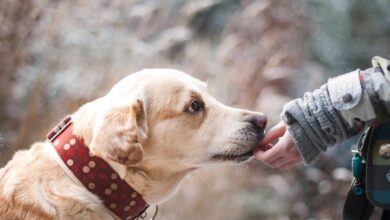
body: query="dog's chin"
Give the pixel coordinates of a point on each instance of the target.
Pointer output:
(238, 156)
(233, 157)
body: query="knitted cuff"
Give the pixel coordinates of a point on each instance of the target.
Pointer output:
(314, 124)
(306, 149)
(293, 115)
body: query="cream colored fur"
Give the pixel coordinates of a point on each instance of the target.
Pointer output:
(145, 130)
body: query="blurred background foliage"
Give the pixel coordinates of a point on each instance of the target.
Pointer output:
(57, 55)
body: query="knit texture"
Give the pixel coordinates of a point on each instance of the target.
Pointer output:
(315, 124)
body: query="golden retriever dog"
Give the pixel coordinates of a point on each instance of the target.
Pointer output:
(153, 128)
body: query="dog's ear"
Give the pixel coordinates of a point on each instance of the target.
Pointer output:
(119, 133)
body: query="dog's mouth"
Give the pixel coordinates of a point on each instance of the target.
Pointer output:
(233, 157)
(246, 148)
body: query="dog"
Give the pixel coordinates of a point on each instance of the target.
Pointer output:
(151, 129)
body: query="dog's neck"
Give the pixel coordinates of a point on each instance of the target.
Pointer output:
(154, 184)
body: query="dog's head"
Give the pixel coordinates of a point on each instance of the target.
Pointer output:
(166, 121)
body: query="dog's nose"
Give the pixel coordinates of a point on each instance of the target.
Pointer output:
(258, 120)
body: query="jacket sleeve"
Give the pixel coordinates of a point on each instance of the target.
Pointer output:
(338, 109)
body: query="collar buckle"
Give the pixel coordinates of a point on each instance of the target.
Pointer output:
(59, 128)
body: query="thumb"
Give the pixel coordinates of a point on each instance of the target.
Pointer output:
(274, 133)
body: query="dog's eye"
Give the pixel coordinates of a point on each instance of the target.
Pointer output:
(195, 106)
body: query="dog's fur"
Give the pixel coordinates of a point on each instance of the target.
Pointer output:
(146, 129)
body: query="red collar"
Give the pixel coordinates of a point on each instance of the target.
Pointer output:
(95, 173)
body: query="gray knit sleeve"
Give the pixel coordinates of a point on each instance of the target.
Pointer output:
(338, 109)
(315, 124)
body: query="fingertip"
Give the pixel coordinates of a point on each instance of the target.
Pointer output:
(258, 154)
(273, 133)
(262, 148)
(267, 147)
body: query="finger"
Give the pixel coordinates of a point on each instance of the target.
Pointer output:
(290, 165)
(262, 148)
(268, 156)
(269, 164)
(290, 156)
(274, 133)
(282, 149)
(283, 152)
(277, 162)
(283, 161)
(263, 155)
(294, 158)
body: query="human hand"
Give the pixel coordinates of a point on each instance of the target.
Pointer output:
(284, 154)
